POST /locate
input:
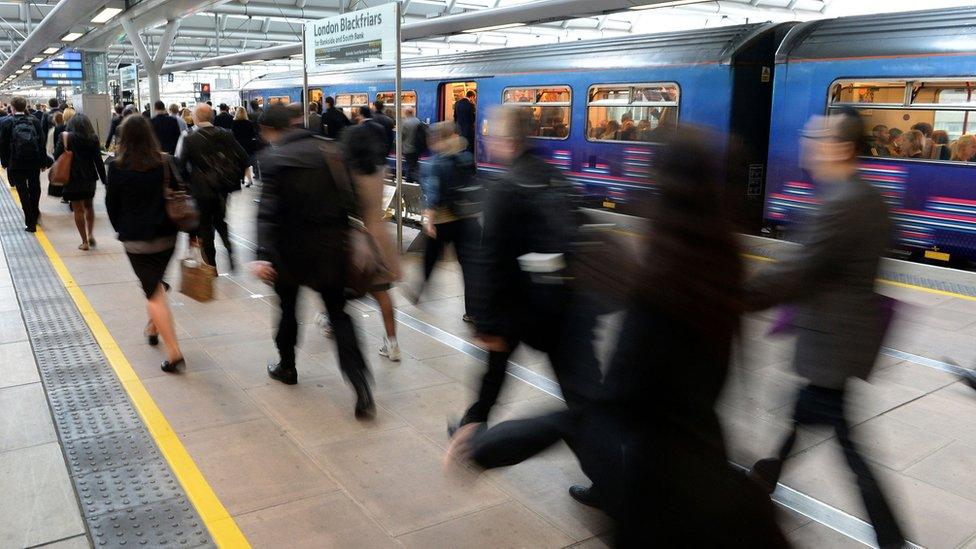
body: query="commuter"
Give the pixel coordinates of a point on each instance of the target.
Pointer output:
(879, 140)
(894, 138)
(297, 115)
(256, 111)
(113, 128)
(386, 122)
(926, 130)
(366, 150)
(136, 208)
(59, 125)
(167, 129)
(628, 132)
(444, 219)
(224, 120)
(215, 165)
(47, 122)
(302, 220)
(247, 138)
(314, 119)
(174, 111)
(187, 116)
(964, 149)
(146, 111)
(22, 154)
(87, 166)
(333, 120)
(612, 131)
(911, 144)
(38, 113)
(840, 320)
(940, 145)
(464, 117)
(414, 143)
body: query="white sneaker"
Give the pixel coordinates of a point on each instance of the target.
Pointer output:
(322, 321)
(390, 349)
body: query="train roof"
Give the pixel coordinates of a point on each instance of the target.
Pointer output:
(718, 45)
(929, 32)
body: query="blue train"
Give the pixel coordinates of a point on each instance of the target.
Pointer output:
(601, 105)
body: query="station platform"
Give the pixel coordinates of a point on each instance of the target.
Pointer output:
(99, 447)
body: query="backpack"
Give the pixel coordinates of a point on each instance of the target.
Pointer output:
(24, 140)
(223, 160)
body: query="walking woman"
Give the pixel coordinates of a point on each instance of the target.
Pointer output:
(80, 138)
(247, 137)
(136, 207)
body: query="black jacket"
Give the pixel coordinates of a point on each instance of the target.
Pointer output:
(302, 217)
(246, 135)
(116, 120)
(224, 120)
(167, 131)
(201, 148)
(464, 117)
(6, 145)
(333, 122)
(47, 121)
(365, 145)
(388, 125)
(135, 205)
(87, 166)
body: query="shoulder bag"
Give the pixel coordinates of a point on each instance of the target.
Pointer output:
(181, 208)
(61, 170)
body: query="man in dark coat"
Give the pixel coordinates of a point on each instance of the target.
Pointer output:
(388, 124)
(22, 153)
(333, 120)
(224, 119)
(166, 127)
(302, 222)
(840, 321)
(464, 117)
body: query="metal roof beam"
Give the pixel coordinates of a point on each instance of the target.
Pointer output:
(55, 24)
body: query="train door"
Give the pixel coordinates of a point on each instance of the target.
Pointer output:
(450, 94)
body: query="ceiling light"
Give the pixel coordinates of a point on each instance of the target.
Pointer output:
(496, 27)
(667, 4)
(51, 50)
(37, 60)
(21, 71)
(25, 67)
(71, 36)
(252, 61)
(106, 14)
(213, 67)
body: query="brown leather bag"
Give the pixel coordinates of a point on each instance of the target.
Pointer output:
(61, 170)
(181, 208)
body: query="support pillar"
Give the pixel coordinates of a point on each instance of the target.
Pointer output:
(151, 64)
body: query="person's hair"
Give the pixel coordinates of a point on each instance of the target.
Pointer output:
(913, 138)
(69, 113)
(379, 104)
(470, 93)
(53, 102)
(442, 130)
(365, 112)
(19, 103)
(408, 111)
(851, 129)
(223, 107)
(146, 108)
(879, 128)
(520, 123)
(894, 133)
(240, 113)
(137, 148)
(255, 105)
(965, 141)
(129, 110)
(940, 137)
(693, 268)
(924, 127)
(58, 119)
(159, 106)
(187, 115)
(330, 101)
(277, 117)
(118, 108)
(81, 128)
(174, 108)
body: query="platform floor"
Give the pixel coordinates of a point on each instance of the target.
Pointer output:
(294, 468)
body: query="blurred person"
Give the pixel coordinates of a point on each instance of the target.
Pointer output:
(146, 111)
(366, 150)
(22, 154)
(612, 131)
(114, 127)
(878, 144)
(129, 110)
(628, 132)
(136, 208)
(166, 127)
(414, 140)
(297, 115)
(964, 149)
(302, 220)
(215, 165)
(314, 119)
(187, 116)
(940, 145)
(926, 130)
(256, 111)
(58, 122)
(894, 138)
(450, 168)
(247, 138)
(333, 120)
(465, 115)
(911, 143)
(38, 112)
(87, 168)
(388, 124)
(47, 120)
(839, 319)
(224, 119)
(174, 111)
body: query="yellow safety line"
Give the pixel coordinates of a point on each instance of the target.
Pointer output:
(223, 529)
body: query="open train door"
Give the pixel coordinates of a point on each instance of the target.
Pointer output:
(450, 93)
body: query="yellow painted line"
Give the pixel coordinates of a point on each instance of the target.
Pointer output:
(223, 529)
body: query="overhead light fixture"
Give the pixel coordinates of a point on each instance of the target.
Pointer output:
(213, 67)
(496, 27)
(253, 61)
(21, 71)
(25, 67)
(106, 14)
(671, 4)
(71, 36)
(37, 60)
(51, 50)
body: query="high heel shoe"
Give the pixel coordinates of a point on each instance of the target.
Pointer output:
(171, 367)
(152, 339)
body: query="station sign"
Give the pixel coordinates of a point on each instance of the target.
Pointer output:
(67, 66)
(129, 82)
(356, 37)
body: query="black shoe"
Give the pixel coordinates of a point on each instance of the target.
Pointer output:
(585, 495)
(31, 229)
(969, 376)
(153, 339)
(766, 473)
(285, 374)
(171, 367)
(467, 318)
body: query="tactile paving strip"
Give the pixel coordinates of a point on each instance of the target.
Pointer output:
(127, 492)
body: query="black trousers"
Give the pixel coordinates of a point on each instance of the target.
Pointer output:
(465, 234)
(411, 167)
(822, 406)
(351, 360)
(213, 211)
(28, 183)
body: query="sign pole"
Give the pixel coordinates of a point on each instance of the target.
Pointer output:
(399, 136)
(304, 80)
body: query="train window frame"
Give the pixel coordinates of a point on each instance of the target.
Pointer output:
(630, 103)
(908, 104)
(351, 105)
(416, 98)
(560, 104)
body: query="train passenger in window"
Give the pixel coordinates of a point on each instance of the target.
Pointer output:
(940, 145)
(666, 124)
(894, 135)
(879, 141)
(926, 130)
(964, 149)
(910, 144)
(628, 132)
(644, 130)
(612, 131)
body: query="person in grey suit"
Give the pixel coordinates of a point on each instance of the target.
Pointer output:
(839, 319)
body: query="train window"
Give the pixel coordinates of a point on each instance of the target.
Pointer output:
(914, 118)
(279, 100)
(550, 106)
(349, 102)
(407, 99)
(642, 113)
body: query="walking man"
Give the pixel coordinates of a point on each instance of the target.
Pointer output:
(23, 154)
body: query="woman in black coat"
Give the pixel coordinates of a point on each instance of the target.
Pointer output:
(86, 168)
(136, 207)
(247, 137)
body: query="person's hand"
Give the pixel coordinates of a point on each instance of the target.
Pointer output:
(264, 271)
(492, 343)
(428, 224)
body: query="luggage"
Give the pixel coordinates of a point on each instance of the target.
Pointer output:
(24, 141)
(196, 277)
(61, 170)
(181, 208)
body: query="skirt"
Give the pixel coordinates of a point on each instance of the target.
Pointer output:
(150, 269)
(77, 195)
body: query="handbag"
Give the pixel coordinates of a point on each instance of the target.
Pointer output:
(61, 170)
(364, 264)
(181, 208)
(196, 276)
